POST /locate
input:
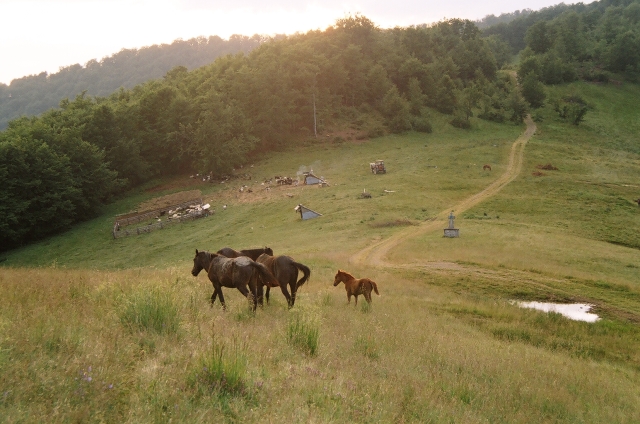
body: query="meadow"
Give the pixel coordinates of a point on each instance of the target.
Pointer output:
(94, 329)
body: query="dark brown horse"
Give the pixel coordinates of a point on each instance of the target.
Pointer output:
(251, 253)
(239, 272)
(486, 167)
(355, 286)
(285, 269)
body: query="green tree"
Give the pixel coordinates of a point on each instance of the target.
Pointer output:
(533, 90)
(396, 111)
(223, 138)
(539, 37)
(37, 191)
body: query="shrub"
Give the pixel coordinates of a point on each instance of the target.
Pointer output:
(533, 90)
(421, 124)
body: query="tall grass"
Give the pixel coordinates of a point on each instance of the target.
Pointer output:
(150, 310)
(421, 354)
(303, 333)
(221, 370)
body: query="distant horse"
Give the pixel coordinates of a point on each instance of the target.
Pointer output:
(638, 201)
(486, 167)
(285, 269)
(239, 272)
(251, 253)
(355, 286)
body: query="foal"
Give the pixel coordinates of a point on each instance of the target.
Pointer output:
(355, 286)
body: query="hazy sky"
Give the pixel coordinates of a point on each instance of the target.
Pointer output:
(44, 35)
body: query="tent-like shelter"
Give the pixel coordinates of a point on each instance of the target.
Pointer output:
(306, 213)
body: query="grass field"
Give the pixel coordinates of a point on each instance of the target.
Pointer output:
(94, 329)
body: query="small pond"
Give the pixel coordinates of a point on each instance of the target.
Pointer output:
(575, 311)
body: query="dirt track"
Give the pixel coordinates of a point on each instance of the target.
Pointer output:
(374, 255)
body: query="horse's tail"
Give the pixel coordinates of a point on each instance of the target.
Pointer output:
(305, 270)
(375, 287)
(266, 275)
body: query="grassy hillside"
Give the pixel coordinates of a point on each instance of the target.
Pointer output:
(97, 329)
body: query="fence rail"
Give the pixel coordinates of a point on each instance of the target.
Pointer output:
(119, 232)
(129, 220)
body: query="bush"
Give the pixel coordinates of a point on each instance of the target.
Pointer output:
(375, 131)
(533, 90)
(460, 121)
(571, 108)
(421, 124)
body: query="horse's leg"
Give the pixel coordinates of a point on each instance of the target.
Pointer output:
(285, 292)
(219, 291)
(214, 295)
(267, 293)
(294, 291)
(260, 292)
(349, 298)
(248, 295)
(253, 285)
(367, 296)
(356, 296)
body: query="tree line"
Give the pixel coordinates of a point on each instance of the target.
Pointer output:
(34, 94)
(566, 42)
(60, 167)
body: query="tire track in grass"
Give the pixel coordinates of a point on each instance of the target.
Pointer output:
(375, 254)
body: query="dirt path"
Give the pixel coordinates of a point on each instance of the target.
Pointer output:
(374, 255)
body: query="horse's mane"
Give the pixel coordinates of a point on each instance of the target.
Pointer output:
(340, 271)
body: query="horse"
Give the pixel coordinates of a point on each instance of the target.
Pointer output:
(232, 272)
(355, 286)
(285, 269)
(486, 167)
(251, 253)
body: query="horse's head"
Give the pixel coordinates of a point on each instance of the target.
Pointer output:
(338, 278)
(200, 262)
(268, 251)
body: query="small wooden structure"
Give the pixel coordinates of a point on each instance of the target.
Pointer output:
(377, 167)
(306, 213)
(310, 179)
(190, 210)
(451, 231)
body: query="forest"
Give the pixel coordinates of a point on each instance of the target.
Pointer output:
(35, 94)
(60, 167)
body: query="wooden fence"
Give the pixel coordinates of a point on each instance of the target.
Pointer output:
(129, 219)
(126, 221)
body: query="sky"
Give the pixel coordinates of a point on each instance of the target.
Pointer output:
(45, 35)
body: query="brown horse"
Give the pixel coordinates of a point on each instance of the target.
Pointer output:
(484, 168)
(251, 253)
(355, 286)
(285, 269)
(232, 272)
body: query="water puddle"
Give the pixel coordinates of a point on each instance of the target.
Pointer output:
(575, 311)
